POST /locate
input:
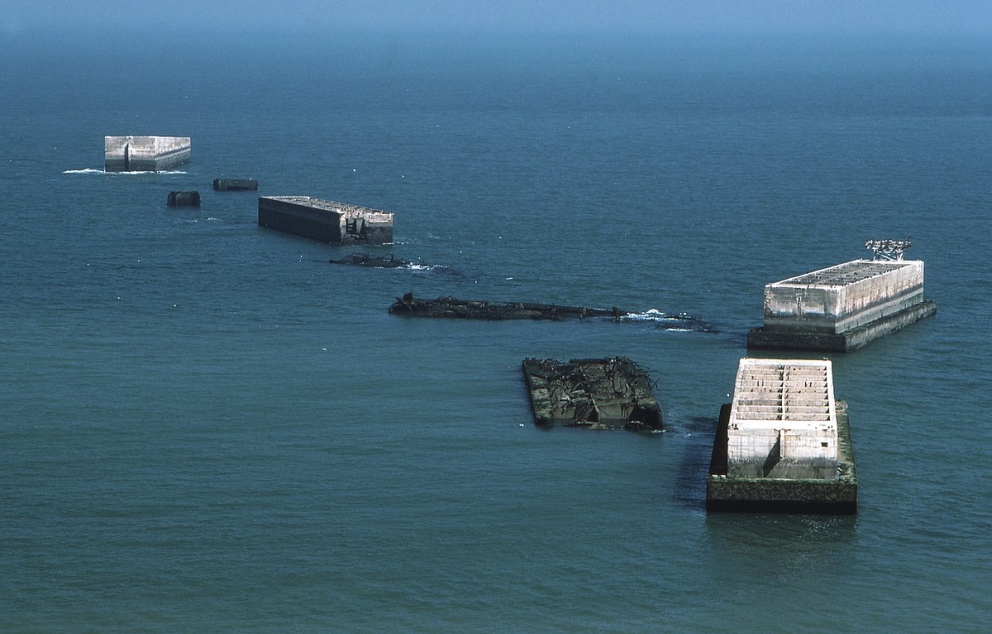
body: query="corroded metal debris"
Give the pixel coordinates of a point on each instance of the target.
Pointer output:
(593, 393)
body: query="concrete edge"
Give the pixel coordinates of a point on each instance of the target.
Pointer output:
(764, 338)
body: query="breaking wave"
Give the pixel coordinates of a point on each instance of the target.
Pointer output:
(90, 170)
(680, 322)
(648, 315)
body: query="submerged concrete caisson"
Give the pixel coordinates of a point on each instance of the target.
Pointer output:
(183, 199)
(784, 443)
(325, 220)
(235, 185)
(145, 153)
(452, 308)
(843, 307)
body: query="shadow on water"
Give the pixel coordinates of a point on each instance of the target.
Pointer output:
(690, 480)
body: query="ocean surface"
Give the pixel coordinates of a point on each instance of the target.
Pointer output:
(205, 426)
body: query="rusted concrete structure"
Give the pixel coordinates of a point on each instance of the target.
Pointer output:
(145, 153)
(784, 443)
(325, 220)
(592, 393)
(843, 307)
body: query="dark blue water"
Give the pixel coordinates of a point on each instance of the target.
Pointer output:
(205, 426)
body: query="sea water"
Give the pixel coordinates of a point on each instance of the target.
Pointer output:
(206, 426)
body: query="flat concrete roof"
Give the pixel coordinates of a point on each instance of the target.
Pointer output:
(783, 394)
(846, 273)
(327, 205)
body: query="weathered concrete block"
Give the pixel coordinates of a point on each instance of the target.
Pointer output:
(145, 153)
(843, 307)
(325, 220)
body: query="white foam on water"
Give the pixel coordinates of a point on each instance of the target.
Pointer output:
(90, 170)
(648, 315)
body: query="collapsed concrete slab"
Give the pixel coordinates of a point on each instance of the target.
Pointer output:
(784, 443)
(843, 307)
(325, 220)
(145, 153)
(592, 393)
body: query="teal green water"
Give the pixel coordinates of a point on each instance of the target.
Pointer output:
(205, 426)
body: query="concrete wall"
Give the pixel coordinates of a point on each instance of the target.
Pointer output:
(836, 306)
(868, 300)
(847, 341)
(866, 333)
(145, 153)
(299, 219)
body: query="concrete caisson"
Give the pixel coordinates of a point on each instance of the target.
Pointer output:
(843, 307)
(145, 153)
(183, 199)
(784, 443)
(325, 220)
